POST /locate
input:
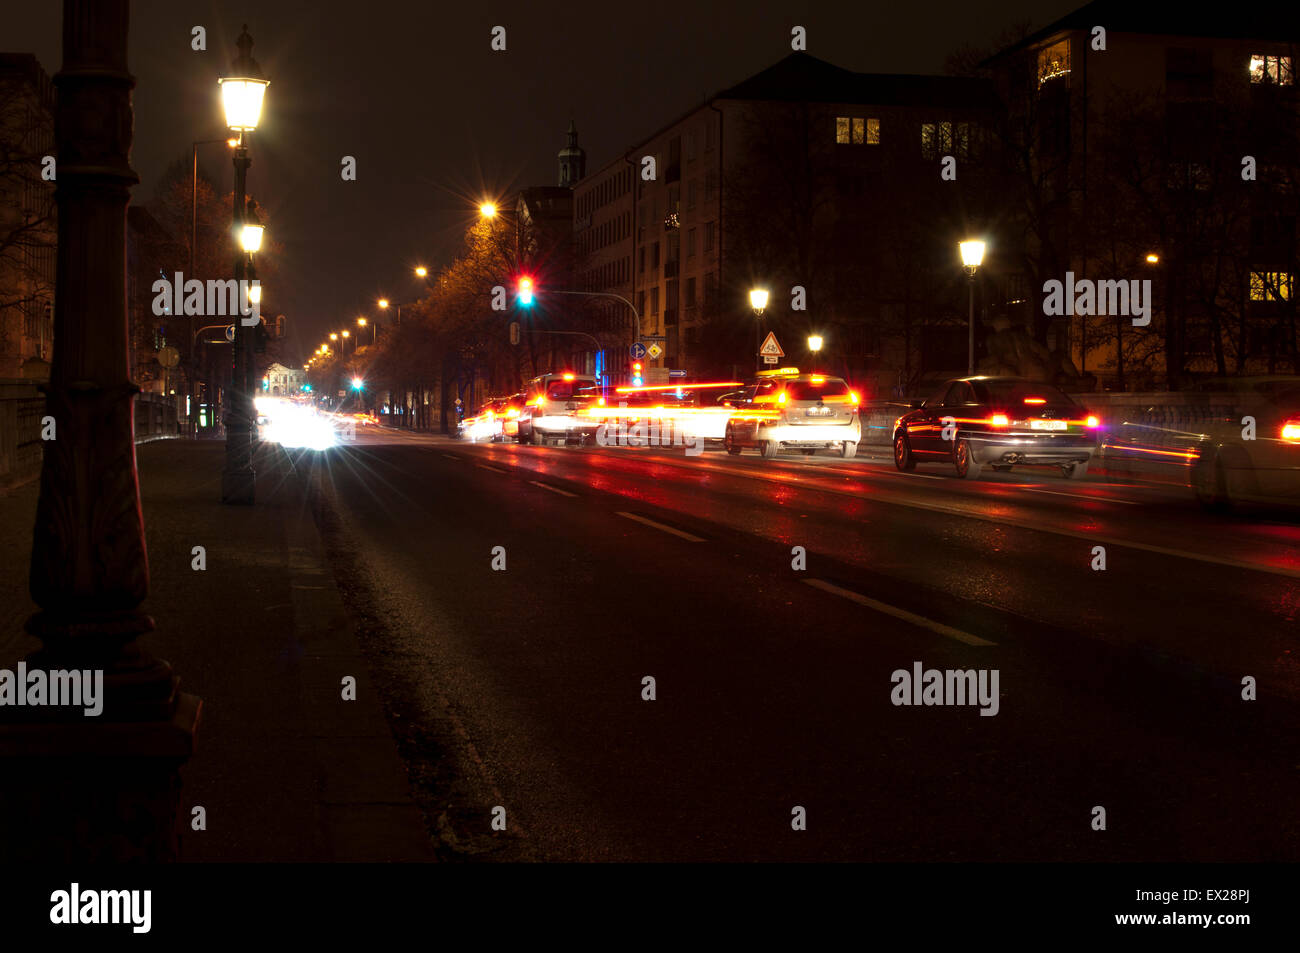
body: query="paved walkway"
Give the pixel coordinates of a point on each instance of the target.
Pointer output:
(286, 769)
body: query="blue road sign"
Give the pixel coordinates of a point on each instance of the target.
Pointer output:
(681, 373)
(637, 350)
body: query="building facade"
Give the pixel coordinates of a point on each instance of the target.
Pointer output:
(786, 182)
(1161, 150)
(28, 224)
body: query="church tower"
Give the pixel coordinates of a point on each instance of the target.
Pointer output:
(573, 161)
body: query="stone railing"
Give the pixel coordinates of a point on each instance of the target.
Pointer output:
(21, 408)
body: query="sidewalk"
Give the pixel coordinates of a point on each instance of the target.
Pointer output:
(286, 770)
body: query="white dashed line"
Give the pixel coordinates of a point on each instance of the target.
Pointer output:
(488, 466)
(938, 627)
(661, 526)
(553, 489)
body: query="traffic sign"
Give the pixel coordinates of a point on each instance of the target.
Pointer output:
(654, 350)
(637, 350)
(230, 333)
(677, 373)
(770, 358)
(654, 337)
(770, 347)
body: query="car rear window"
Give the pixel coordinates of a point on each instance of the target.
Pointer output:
(1015, 393)
(812, 390)
(569, 390)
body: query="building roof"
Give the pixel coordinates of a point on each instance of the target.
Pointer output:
(1273, 20)
(804, 78)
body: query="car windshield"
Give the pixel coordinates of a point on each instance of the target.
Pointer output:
(1017, 393)
(816, 389)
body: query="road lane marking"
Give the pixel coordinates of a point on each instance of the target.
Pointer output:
(553, 489)
(661, 526)
(754, 473)
(450, 456)
(1081, 496)
(913, 618)
(488, 466)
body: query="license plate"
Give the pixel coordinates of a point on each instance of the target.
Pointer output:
(1047, 425)
(819, 411)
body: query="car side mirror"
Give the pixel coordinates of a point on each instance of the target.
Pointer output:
(916, 404)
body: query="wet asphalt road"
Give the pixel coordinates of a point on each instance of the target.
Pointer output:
(523, 687)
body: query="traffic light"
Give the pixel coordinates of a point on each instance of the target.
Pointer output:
(636, 374)
(524, 296)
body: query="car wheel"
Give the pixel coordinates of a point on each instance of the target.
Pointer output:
(848, 450)
(1210, 481)
(729, 441)
(537, 438)
(768, 449)
(1075, 471)
(967, 467)
(903, 458)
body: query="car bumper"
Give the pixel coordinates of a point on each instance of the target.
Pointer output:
(812, 435)
(555, 425)
(1032, 449)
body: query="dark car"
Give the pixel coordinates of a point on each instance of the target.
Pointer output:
(1259, 463)
(1001, 422)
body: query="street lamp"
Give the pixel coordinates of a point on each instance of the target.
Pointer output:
(242, 93)
(421, 272)
(374, 329)
(814, 343)
(972, 256)
(488, 210)
(758, 302)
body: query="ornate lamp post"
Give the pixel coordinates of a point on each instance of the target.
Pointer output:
(758, 303)
(102, 789)
(972, 256)
(241, 95)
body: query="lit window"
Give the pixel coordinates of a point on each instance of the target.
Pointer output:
(873, 132)
(937, 139)
(842, 130)
(859, 131)
(1054, 62)
(1275, 70)
(1270, 286)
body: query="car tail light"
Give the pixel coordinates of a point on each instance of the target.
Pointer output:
(853, 398)
(999, 420)
(1092, 423)
(1291, 430)
(781, 397)
(567, 377)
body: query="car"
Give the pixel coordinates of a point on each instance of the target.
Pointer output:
(787, 410)
(1002, 422)
(1238, 464)
(514, 408)
(486, 423)
(552, 405)
(365, 419)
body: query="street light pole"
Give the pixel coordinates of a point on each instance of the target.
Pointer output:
(972, 256)
(242, 94)
(758, 303)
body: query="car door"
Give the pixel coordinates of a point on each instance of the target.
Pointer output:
(924, 432)
(760, 400)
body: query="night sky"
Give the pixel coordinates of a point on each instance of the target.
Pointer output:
(437, 120)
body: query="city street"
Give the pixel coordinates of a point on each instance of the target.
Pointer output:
(522, 687)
